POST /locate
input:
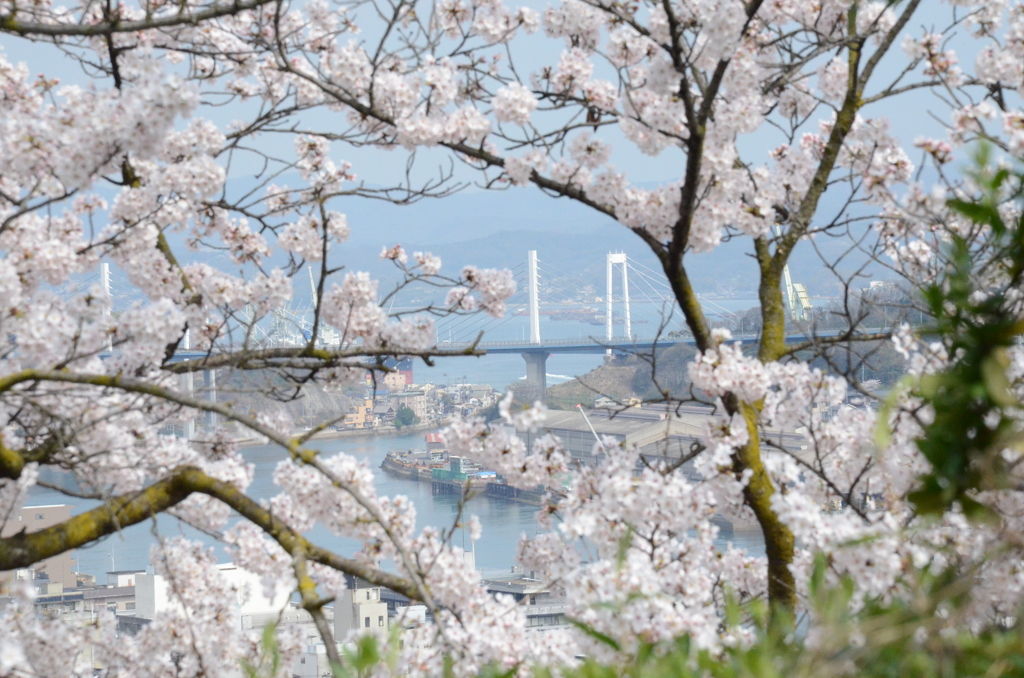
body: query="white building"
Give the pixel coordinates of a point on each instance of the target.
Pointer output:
(545, 609)
(254, 610)
(414, 400)
(360, 609)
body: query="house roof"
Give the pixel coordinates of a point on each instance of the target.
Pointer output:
(110, 592)
(647, 425)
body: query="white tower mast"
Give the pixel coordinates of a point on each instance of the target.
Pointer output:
(608, 300)
(615, 258)
(105, 281)
(312, 286)
(625, 296)
(534, 298)
(796, 311)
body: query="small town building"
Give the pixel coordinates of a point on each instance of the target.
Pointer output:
(383, 414)
(545, 609)
(360, 609)
(360, 414)
(59, 569)
(436, 444)
(414, 400)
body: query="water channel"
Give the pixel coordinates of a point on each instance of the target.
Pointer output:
(503, 521)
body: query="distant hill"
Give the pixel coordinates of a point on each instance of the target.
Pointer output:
(497, 228)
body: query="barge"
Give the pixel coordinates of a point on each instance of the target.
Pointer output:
(408, 465)
(454, 475)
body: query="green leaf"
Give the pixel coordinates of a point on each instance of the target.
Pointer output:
(979, 213)
(595, 634)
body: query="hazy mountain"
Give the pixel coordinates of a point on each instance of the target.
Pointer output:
(498, 228)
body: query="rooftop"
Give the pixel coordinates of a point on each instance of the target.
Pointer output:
(109, 592)
(645, 426)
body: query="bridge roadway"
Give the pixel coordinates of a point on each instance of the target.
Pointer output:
(622, 345)
(536, 355)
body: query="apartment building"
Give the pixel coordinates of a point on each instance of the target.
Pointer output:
(360, 414)
(414, 400)
(60, 568)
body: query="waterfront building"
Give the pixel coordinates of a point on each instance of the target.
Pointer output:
(658, 431)
(545, 609)
(383, 415)
(436, 445)
(395, 381)
(414, 400)
(400, 376)
(60, 568)
(360, 414)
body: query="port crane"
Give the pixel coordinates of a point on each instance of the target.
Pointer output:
(590, 426)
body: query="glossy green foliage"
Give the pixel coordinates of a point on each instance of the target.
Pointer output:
(970, 399)
(915, 638)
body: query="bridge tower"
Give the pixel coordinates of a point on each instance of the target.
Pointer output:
(534, 296)
(613, 259)
(210, 382)
(536, 361)
(105, 282)
(796, 294)
(188, 384)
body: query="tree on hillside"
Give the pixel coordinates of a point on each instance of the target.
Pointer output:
(774, 115)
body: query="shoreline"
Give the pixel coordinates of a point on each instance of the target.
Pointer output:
(745, 527)
(332, 434)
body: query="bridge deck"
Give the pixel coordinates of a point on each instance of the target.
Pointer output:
(582, 346)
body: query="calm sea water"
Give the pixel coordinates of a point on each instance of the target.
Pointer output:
(504, 522)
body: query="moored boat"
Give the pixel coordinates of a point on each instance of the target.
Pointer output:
(452, 475)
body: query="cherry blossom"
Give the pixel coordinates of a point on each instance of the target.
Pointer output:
(777, 117)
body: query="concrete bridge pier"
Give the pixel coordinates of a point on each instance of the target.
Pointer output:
(536, 370)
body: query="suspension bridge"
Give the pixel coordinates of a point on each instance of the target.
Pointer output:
(637, 312)
(634, 312)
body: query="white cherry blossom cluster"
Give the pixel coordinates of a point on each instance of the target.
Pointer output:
(494, 287)
(120, 172)
(725, 369)
(544, 465)
(198, 632)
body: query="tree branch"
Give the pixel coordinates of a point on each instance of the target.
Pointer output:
(25, 548)
(9, 24)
